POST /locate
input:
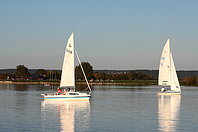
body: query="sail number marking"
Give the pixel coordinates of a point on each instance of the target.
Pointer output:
(69, 51)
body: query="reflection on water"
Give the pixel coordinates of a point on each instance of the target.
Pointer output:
(66, 112)
(113, 109)
(168, 112)
(21, 87)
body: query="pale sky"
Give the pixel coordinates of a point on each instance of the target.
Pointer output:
(109, 34)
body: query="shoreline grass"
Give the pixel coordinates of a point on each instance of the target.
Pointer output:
(57, 82)
(115, 82)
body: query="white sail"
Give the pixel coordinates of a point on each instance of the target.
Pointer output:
(67, 77)
(174, 79)
(164, 77)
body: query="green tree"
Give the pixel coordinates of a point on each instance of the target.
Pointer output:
(53, 74)
(41, 72)
(21, 70)
(88, 71)
(4, 76)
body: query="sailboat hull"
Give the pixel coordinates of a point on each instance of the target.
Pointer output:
(70, 96)
(169, 93)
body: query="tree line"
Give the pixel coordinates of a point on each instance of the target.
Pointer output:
(22, 73)
(190, 81)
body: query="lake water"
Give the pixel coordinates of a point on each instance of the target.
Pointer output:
(111, 109)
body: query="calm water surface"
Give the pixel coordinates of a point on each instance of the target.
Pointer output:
(111, 109)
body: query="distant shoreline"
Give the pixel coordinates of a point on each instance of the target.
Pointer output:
(121, 82)
(115, 83)
(29, 82)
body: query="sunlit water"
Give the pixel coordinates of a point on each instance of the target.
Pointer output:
(111, 109)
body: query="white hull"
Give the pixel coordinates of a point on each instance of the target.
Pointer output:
(169, 93)
(70, 96)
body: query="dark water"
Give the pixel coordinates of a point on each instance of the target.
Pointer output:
(111, 109)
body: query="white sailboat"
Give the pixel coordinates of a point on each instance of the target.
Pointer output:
(68, 77)
(167, 73)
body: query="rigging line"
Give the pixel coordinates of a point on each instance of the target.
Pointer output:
(82, 70)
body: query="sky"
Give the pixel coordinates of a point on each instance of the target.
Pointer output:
(109, 34)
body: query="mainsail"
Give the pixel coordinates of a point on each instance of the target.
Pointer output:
(67, 77)
(164, 68)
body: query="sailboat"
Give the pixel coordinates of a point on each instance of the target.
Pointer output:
(68, 77)
(167, 73)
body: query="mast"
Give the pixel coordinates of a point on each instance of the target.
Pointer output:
(170, 58)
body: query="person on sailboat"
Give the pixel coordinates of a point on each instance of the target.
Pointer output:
(64, 92)
(162, 89)
(59, 91)
(72, 90)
